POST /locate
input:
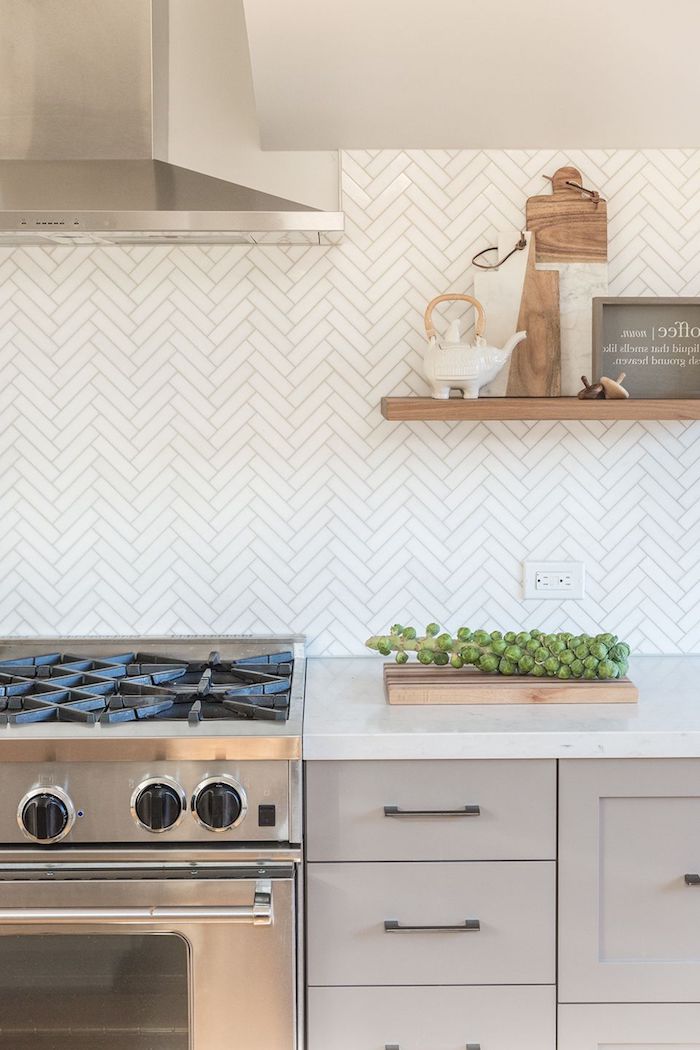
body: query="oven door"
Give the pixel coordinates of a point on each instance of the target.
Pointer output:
(160, 957)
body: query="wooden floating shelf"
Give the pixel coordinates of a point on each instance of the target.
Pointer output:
(457, 408)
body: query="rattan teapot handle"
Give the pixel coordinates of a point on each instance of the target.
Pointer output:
(454, 297)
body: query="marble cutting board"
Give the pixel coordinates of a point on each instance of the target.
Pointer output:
(500, 291)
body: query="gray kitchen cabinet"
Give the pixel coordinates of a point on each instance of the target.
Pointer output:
(431, 810)
(509, 909)
(428, 1018)
(629, 887)
(617, 1026)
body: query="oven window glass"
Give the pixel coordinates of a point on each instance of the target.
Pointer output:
(94, 992)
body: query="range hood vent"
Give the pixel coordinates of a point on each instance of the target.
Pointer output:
(82, 90)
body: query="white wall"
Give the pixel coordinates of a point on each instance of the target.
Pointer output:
(476, 73)
(190, 438)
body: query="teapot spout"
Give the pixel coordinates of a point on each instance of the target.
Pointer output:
(513, 342)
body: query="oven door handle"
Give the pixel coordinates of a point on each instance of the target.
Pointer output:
(259, 914)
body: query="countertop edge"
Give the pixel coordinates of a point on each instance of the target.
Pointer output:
(521, 747)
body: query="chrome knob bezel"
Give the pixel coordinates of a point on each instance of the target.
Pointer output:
(57, 793)
(224, 778)
(155, 782)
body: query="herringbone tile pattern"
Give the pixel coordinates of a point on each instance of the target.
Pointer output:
(190, 438)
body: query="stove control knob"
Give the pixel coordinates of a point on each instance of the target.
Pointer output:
(46, 815)
(219, 803)
(158, 805)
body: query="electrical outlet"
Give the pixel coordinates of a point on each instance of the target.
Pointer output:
(554, 579)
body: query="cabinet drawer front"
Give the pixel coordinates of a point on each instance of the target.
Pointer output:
(629, 921)
(629, 1027)
(428, 1018)
(450, 810)
(486, 923)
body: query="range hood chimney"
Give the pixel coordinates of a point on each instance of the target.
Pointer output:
(78, 121)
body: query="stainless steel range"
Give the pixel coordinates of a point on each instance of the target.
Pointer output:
(150, 843)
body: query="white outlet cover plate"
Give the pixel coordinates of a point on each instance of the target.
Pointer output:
(558, 580)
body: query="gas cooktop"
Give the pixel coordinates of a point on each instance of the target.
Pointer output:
(95, 683)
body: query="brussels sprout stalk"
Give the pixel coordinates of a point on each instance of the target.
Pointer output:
(562, 655)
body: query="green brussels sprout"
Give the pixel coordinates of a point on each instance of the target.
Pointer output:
(509, 637)
(496, 636)
(573, 643)
(444, 642)
(432, 630)
(401, 657)
(481, 638)
(552, 664)
(589, 672)
(598, 649)
(619, 652)
(567, 657)
(538, 671)
(499, 646)
(606, 669)
(549, 640)
(464, 634)
(576, 668)
(384, 646)
(522, 637)
(506, 666)
(581, 651)
(564, 672)
(396, 628)
(441, 658)
(488, 662)
(470, 654)
(456, 661)
(541, 654)
(557, 646)
(591, 663)
(513, 652)
(425, 656)
(409, 633)
(535, 633)
(533, 645)
(526, 663)
(607, 639)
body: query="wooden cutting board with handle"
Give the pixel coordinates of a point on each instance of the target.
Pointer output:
(535, 367)
(570, 226)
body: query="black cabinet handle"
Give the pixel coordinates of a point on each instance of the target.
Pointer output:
(468, 926)
(465, 811)
(692, 880)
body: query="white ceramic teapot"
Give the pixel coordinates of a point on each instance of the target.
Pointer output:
(450, 363)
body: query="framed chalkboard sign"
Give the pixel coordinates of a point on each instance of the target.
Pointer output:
(655, 342)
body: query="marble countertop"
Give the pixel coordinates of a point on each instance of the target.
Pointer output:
(347, 717)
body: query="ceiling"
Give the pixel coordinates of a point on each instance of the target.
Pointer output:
(475, 73)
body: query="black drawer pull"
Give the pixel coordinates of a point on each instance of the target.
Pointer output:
(692, 880)
(395, 1046)
(468, 926)
(465, 811)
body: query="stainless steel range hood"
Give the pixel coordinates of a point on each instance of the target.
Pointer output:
(83, 98)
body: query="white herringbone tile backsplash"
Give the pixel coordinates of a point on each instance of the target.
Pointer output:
(191, 438)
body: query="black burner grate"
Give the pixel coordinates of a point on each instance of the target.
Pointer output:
(133, 687)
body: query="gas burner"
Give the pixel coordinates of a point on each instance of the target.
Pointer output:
(139, 686)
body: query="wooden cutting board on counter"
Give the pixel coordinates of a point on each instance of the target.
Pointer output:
(414, 684)
(569, 225)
